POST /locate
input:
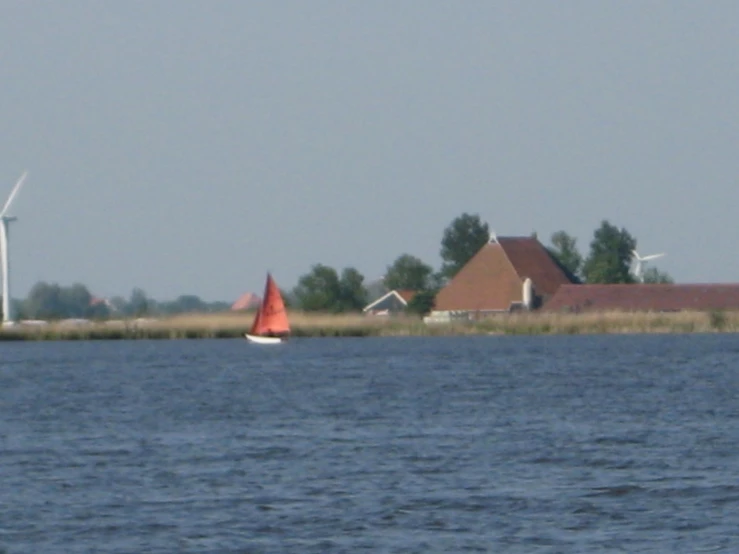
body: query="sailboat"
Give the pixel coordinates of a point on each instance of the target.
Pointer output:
(271, 325)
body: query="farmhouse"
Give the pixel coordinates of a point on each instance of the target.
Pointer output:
(644, 298)
(506, 274)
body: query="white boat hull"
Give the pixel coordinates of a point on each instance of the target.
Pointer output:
(264, 340)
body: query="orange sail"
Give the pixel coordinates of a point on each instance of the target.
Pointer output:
(257, 322)
(271, 316)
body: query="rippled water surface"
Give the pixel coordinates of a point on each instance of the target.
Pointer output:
(482, 444)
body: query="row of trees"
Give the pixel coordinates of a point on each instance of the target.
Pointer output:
(51, 301)
(609, 260)
(324, 289)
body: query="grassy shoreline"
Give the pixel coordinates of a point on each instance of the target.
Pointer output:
(199, 326)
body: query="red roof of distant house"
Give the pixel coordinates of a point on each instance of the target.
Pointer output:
(493, 278)
(406, 294)
(246, 301)
(645, 297)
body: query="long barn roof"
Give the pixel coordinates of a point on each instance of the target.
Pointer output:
(645, 297)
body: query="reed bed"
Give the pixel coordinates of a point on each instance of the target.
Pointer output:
(614, 322)
(227, 325)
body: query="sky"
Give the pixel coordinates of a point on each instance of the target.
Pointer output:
(188, 147)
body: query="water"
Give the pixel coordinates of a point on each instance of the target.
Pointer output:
(413, 445)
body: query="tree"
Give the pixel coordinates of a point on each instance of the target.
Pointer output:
(462, 239)
(44, 302)
(652, 275)
(139, 304)
(50, 301)
(76, 300)
(564, 250)
(318, 290)
(610, 256)
(322, 290)
(190, 303)
(408, 272)
(18, 308)
(437, 281)
(99, 310)
(185, 303)
(422, 302)
(352, 294)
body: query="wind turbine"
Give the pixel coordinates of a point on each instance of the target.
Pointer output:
(640, 260)
(5, 221)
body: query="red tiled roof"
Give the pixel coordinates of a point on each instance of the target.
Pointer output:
(530, 259)
(641, 297)
(246, 301)
(406, 294)
(493, 279)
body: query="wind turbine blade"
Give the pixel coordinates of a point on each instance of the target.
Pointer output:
(652, 256)
(13, 193)
(636, 254)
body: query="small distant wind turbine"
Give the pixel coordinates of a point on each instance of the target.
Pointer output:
(5, 221)
(640, 262)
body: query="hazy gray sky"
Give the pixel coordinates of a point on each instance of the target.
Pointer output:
(188, 147)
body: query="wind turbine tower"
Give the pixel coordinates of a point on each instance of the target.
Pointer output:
(639, 261)
(5, 221)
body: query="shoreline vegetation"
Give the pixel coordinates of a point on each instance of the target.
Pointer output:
(202, 326)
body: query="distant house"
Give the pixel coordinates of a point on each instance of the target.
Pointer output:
(101, 307)
(97, 301)
(393, 302)
(506, 274)
(247, 301)
(644, 298)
